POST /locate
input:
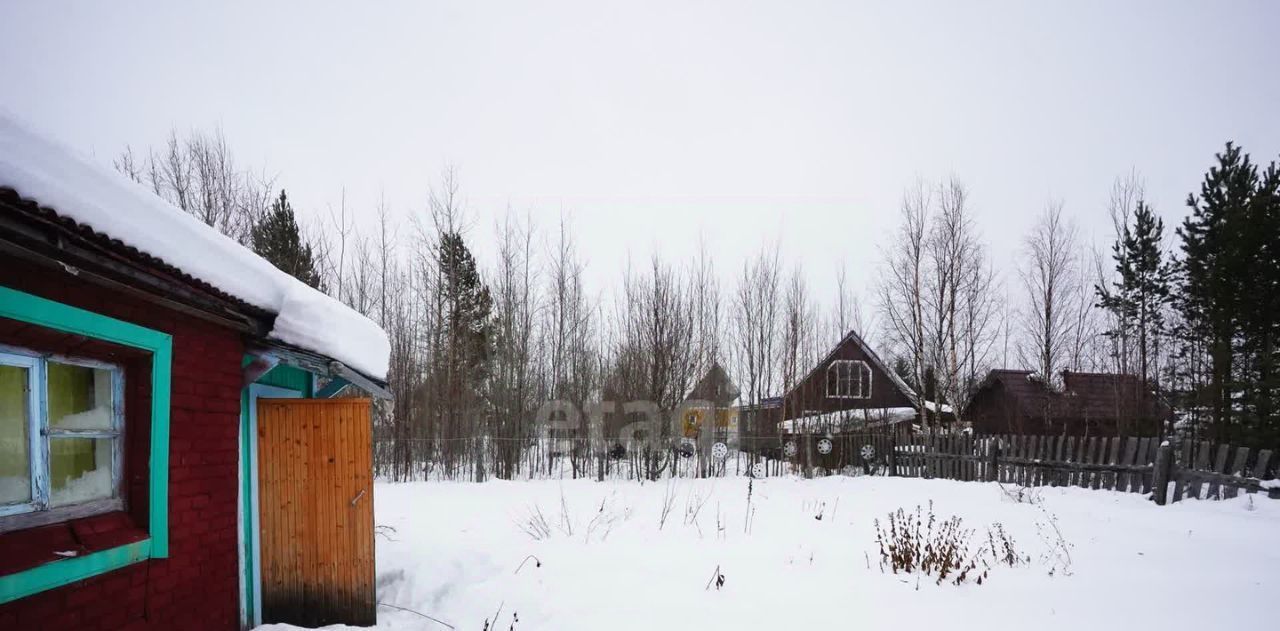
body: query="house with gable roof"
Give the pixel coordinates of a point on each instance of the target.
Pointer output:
(850, 389)
(166, 416)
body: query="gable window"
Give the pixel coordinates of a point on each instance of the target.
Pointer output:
(61, 438)
(848, 379)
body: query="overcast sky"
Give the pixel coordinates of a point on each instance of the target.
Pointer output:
(652, 125)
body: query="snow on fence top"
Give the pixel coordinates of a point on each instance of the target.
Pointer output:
(54, 175)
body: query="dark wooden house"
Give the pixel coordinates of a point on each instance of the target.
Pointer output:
(850, 389)
(758, 424)
(850, 377)
(1086, 404)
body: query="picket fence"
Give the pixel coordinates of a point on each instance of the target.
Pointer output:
(1169, 472)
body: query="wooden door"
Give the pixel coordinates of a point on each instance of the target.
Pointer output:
(315, 486)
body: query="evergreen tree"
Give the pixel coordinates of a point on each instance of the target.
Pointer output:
(469, 306)
(1258, 337)
(276, 238)
(1213, 275)
(1140, 294)
(467, 325)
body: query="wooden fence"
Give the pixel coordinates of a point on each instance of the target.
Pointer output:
(1128, 464)
(1201, 470)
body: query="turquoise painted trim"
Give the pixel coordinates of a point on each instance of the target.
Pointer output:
(161, 382)
(290, 377)
(17, 305)
(282, 381)
(250, 552)
(244, 521)
(62, 572)
(332, 388)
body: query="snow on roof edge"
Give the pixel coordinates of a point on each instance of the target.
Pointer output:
(49, 172)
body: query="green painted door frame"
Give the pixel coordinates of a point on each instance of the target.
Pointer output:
(250, 551)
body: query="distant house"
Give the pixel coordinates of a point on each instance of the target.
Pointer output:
(715, 386)
(1088, 404)
(758, 423)
(718, 391)
(848, 390)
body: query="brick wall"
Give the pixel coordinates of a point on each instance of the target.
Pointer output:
(197, 586)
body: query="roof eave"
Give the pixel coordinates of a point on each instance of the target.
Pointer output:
(38, 234)
(321, 365)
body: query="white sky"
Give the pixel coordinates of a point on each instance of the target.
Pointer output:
(652, 124)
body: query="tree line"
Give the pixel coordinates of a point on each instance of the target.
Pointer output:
(479, 346)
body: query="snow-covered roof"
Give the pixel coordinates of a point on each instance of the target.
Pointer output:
(92, 195)
(846, 420)
(855, 419)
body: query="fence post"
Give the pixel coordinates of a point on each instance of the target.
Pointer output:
(893, 455)
(993, 460)
(1160, 476)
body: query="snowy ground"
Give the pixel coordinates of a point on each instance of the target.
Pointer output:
(607, 564)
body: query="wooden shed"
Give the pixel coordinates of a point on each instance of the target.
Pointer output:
(170, 456)
(1082, 404)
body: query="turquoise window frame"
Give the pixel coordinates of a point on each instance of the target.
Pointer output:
(24, 307)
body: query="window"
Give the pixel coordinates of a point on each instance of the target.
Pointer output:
(20, 412)
(61, 439)
(848, 379)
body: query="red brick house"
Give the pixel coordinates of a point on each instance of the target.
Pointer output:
(129, 384)
(1086, 404)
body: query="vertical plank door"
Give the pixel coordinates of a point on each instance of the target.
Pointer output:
(315, 486)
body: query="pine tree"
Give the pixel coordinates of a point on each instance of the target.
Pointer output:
(1258, 317)
(1140, 294)
(1213, 275)
(467, 326)
(276, 238)
(469, 305)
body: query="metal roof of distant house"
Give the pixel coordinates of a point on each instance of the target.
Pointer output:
(1083, 395)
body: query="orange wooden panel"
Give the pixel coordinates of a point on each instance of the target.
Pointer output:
(315, 485)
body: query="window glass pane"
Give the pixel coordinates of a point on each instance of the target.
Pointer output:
(79, 397)
(79, 469)
(15, 461)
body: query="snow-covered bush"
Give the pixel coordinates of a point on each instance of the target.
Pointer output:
(921, 543)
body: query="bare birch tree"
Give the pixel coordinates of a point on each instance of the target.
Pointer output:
(513, 391)
(569, 334)
(1050, 277)
(755, 323)
(705, 294)
(962, 312)
(848, 313)
(198, 174)
(901, 289)
(1119, 352)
